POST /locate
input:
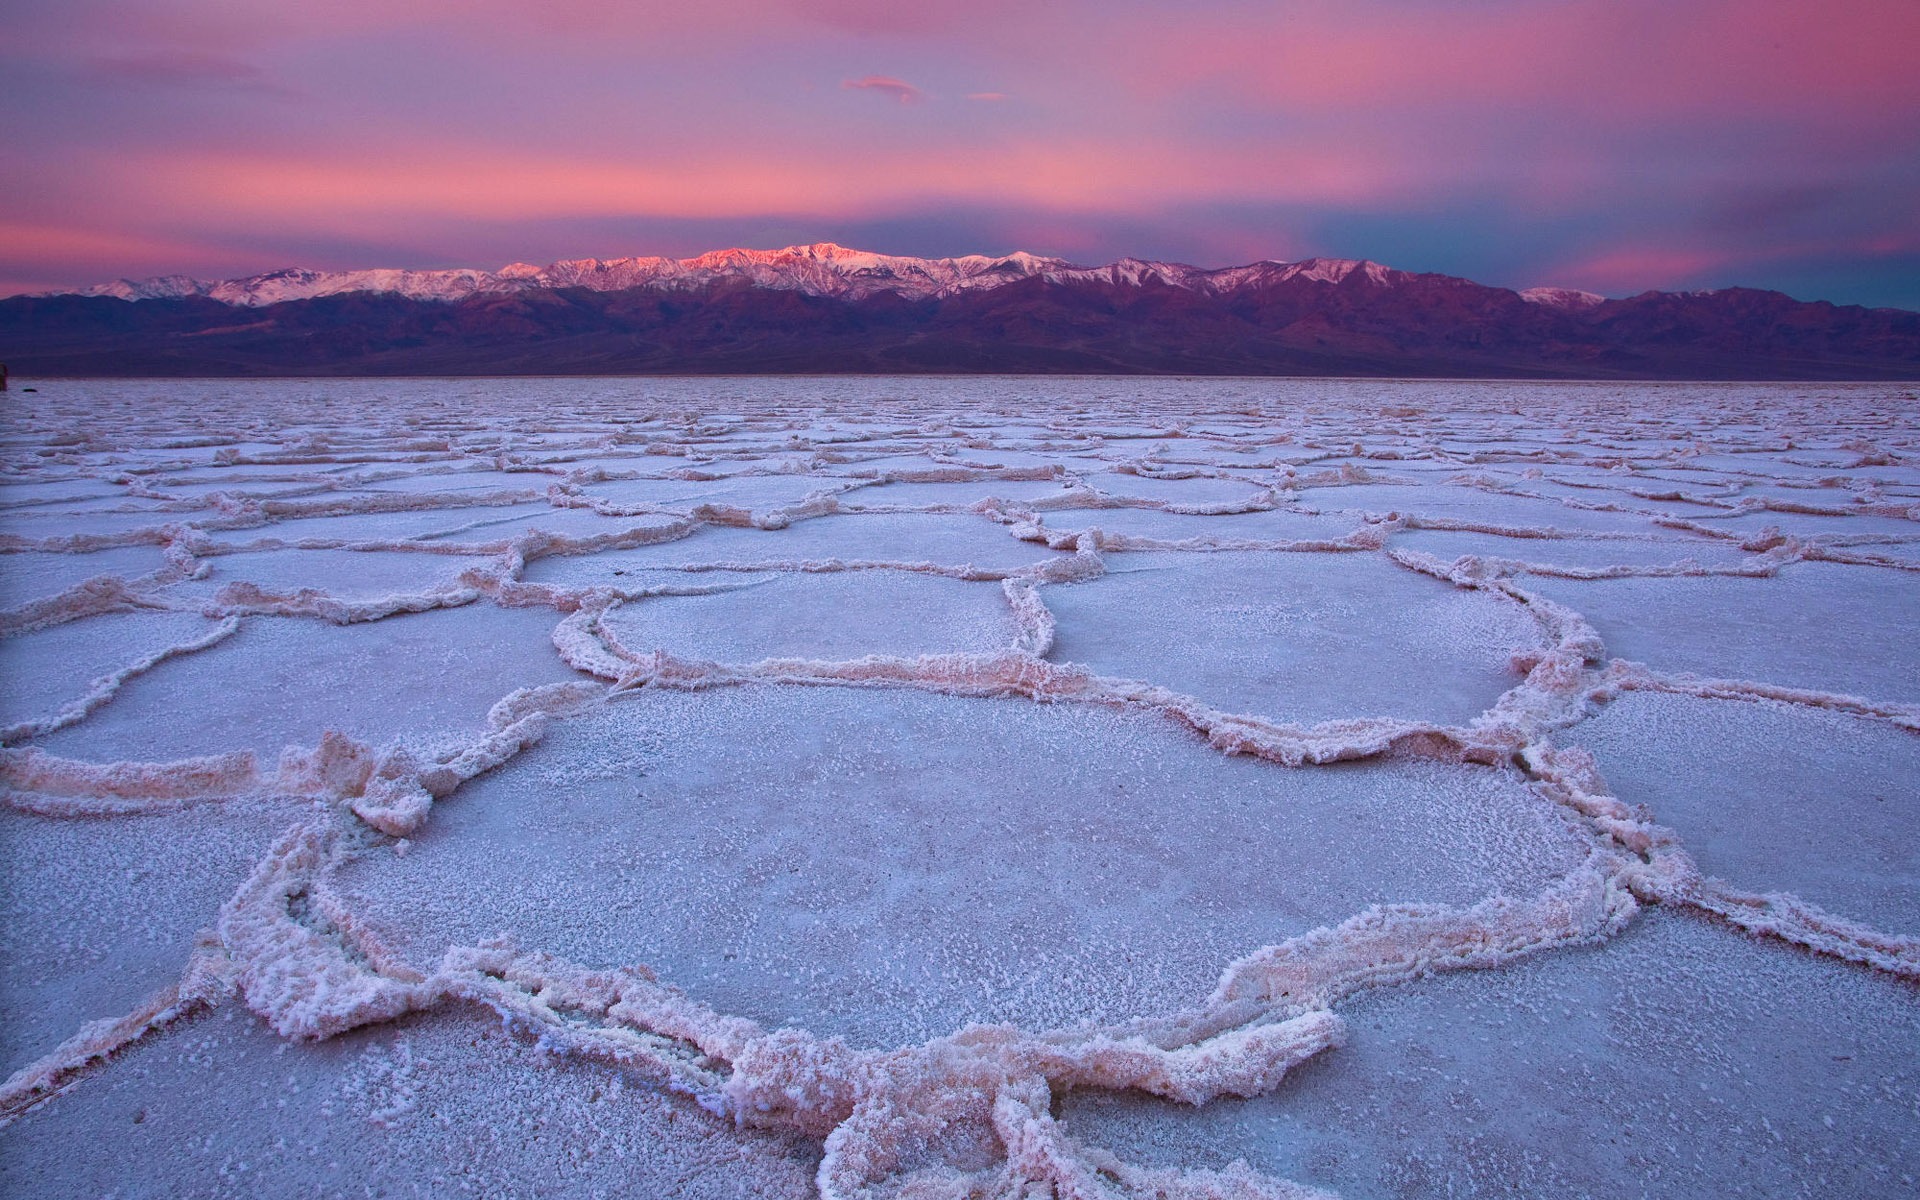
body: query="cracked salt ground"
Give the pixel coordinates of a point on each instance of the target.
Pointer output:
(1270, 525)
(1838, 525)
(342, 574)
(437, 1105)
(1680, 1059)
(1039, 762)
(953, 542)
(1444, 503)
(1820, 626)
(753, 492)
(97, 916)
(1338, 635)
(50, 669)
(1577, 555)
(1188, 492)
(806, 616)
(34, 575)
(951, 495)
(381, 526)
(284, 681)
(1781, 797)
(891, 867)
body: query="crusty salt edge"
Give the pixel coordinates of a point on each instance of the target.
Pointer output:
(207, 548)
(1752, 568)
(101, 594)
(40, 782)
(962, 473)
(1625, 675)
(1390, 944)
(1860, 559)
(1056, 569)
(1789, 918)
(1542, 533)
(400, 790)
(591, 647)
(86, 543)
(820, 502)
(206, 984)
(300, 961)
(241, 597)
(1347, 474)
(1081, 496)
(387, 502)
(242, 511)
(393, 790)
(1571, 778)
(881, 1111)
(104, 688)
(110, 593)
(1031, 617)
(1092, 537)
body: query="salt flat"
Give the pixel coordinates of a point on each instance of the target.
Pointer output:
(959, 787)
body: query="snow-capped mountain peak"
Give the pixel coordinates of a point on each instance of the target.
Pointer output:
(1557, 297)
(818, 269)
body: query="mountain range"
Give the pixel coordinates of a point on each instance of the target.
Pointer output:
(825, 308)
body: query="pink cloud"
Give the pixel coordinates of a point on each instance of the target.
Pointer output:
(1638, 265)
(188, 69)
(886, 85)
(1598, 58)
(44, 255)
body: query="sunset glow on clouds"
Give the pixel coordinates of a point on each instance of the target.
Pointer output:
(1610, 144)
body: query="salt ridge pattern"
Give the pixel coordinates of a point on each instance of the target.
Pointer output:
(604, 503)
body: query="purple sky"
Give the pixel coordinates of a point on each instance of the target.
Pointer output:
(1615, 145)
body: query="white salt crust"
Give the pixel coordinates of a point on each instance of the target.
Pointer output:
(1241, 568)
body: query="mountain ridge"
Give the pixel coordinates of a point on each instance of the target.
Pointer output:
(819, 269)
(827, 309)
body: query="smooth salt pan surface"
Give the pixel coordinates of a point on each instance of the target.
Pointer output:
(1300, 638)
(1681, 1060)
(893, 866)
(96, 916)
(1775, 797)
(1379, 796)
(1820, 626)
(444, 1105)
(284, 681)
(835, 615)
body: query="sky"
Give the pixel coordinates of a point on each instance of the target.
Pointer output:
(1612, 145)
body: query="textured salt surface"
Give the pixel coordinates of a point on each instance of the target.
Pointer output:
(56, 666)
(808, 616)
(96, 916)
(948, 787)
(1680, 1059)
(1781, 797)
(1301, 638)
(1821, 626)
(447, 1104)
(893, 866)
(284, 681)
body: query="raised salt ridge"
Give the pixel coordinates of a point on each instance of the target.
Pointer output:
(940, 788)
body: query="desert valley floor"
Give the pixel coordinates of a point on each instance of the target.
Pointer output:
(959, 787)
